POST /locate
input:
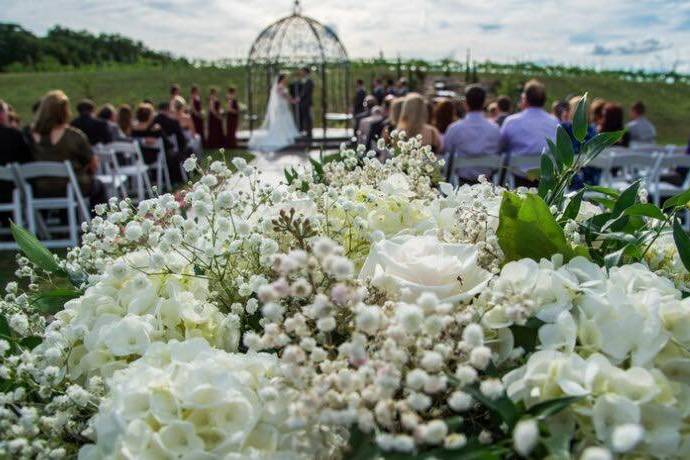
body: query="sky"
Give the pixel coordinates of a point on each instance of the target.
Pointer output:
(627, 34)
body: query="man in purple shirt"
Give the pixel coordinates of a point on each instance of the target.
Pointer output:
(525, 133)
(473, 135)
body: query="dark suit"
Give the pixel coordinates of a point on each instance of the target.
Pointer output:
(13, 149)
(96, 130)
(306, 91)
(379, 93)
(171, 127)
(358, 104)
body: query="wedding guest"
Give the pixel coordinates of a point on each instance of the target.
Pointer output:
(147, 131)
(181, 114)
(96, 130)
(377, 128)
(174, 92)
(379, 91)
(165, 118)
(53, 139)
(13, 118)
(390, 87)
(13, 146)
(107, 114)
(396, 109)
(197, 112)
(640, 128)
(504, 108)
(561, 110)
(216, 138)
(492, 111)
(525, 132)
(358, 101)
(232, 118)
(474, 135)
(401, 88)
(369, 103)
(596, 112)
(413, 120)
(366, 124)
(124, 119)
(443, 114)
(612, 120)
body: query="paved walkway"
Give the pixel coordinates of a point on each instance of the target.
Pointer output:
(272, 164)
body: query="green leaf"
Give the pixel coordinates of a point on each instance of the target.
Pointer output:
(527, 229)
(564, 147)
(645, 210)
(362, 446)
(682, 243)
(53, 301)
(580, 120)
(503, 407)
(551, 407)
(318, 168)
(601, 142)
(5, 331)
(34, 250)
(604, 190)
(627, 199)
(681, 199)
(31, 342)
(545, 176)
(573, 209)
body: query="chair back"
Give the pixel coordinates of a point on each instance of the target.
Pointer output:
(7, 174)
(493, 162)
(521, 164)
(671, 162)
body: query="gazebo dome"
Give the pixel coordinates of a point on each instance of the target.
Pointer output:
(297, 39)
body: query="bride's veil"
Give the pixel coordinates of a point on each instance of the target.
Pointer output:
(273, 105)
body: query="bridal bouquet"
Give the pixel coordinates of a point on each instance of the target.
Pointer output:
(361, 310)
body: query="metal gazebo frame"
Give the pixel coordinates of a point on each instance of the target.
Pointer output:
(292, 42)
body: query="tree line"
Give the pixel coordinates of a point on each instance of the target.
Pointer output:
(21, 50)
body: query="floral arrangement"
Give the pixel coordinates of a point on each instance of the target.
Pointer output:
(361, 310)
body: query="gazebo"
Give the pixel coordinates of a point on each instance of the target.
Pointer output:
(291, 43)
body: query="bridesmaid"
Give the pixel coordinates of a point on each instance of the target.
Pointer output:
(216, 139)
(197, 113)
(233, 115)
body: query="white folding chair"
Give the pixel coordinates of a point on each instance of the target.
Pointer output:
(492, 162)
(161, 164)
(132, 167)
(646, 147)
(630, 166)
(7, 174)
(520, 164)
(72, 201)
(660, 189)
(109, 172)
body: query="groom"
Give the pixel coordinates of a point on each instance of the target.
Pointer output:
(305, 89)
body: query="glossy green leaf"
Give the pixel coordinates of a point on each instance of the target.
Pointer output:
(681, 199)
(580, 119)
(551, 407)
(545, 176)
(53, 301)
(527, 229)
(645, 210)
(564, 147)
(604, 190)
(573, 208)
(682, 243)
(626, 200)
(601, 142)
(34, 250)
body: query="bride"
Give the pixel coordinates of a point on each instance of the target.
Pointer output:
(278, 129)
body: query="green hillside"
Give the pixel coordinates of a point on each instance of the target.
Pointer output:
(668, 103)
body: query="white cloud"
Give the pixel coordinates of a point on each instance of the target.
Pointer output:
(585, 32)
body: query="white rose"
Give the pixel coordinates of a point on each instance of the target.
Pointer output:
(416, 264)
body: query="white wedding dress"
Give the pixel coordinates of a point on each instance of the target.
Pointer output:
(278, 129)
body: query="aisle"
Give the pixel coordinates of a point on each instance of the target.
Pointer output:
(272, 165)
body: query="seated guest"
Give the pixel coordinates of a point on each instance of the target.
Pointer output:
(107, 114)
(379, 91)
(148, 131)
(504, 107)
(525, 132)
(170, 126)
(401, 88)
(360, 94)
(492, 111)
(124, 120)
(640, 128)
(182, 115)
(474, 135)
(443, 114)
(13, 146)
(612, 120)
(366, 124)
(393, 117)
(561, 110)
(596, 112)
(52, 139)
(13, 149)
(377, 128)
(390, 87)
(369, 103)
(96, 130)
(413, 120)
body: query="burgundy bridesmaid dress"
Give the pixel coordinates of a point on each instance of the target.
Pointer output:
(231, 124)
(216, 139)
(198, 119)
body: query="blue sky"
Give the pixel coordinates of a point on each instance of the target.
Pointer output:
(651, 34)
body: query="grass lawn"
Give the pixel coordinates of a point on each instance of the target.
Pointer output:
(8, 258)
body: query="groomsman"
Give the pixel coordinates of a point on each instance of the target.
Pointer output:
(306, 90)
